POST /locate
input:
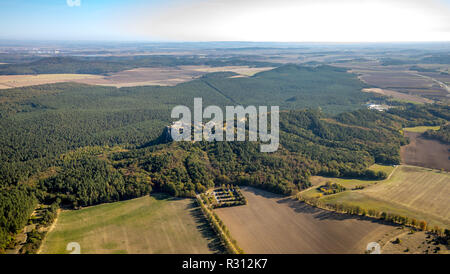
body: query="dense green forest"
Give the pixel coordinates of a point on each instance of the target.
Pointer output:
(104, 65)
(39, 123)
(84, 145)
(88, 181)
(16, 206)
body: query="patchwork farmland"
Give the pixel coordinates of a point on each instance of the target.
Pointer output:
(168, 76)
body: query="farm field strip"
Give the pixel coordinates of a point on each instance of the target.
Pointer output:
(168, 76)
(14, 81)
(400, 82)
(418, 188)
(411, 191)
(425, 152)
(156, 224)
(241, 70)
(274, 224)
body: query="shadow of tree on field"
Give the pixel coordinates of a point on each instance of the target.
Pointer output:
(214, 243)
(263, 193)
(163, 196)
(321, 214)
(317, 213)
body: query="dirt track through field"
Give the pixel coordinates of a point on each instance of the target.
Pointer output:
(274, 224)
(425, 152)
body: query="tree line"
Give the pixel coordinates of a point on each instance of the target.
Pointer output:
(443, 134)
(375, 213)
(220, 228)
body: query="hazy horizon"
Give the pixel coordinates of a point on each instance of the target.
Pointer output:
(305, 21)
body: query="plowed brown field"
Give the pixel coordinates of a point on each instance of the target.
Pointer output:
(271, 223)
(425, 152)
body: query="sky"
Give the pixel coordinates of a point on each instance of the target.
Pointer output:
(227, 20)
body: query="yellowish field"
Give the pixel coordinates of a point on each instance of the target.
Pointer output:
(14, 81)
(145, 225)
(169, 76)
(419, 188)
(421, 129)
(416, 192)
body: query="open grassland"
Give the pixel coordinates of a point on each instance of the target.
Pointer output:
(155, 224)
(411, 191)
(425, 152)
(271, 223)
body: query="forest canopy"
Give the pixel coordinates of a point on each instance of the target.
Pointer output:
(84, 145)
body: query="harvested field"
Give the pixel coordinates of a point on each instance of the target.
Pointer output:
(14, 81)
(169, 76)
(241, 70)
(398, 95)
(274, 224)
(394, 79)
(425, 152)
(418, 188)
(444, 78)
(403, 80)
(145, 77)
(156, 224)
(411, 191)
